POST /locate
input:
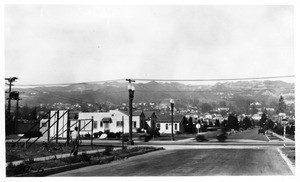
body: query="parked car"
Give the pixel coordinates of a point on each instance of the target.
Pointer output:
(212, 133)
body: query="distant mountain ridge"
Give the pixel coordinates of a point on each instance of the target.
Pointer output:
(117, 93)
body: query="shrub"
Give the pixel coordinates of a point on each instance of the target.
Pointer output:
(96, 135)
(153, 132)
(85, 157)
(200, 138)
(108, 150)
(111, 135)
(88, 135)
(118, 134)
(145, 137)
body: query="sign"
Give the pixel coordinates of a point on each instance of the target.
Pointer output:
(198, 126)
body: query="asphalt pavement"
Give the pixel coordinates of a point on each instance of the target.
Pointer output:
(193, 162)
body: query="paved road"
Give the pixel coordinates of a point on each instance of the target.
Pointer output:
(193, 162)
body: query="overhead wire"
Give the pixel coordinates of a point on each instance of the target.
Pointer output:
(158, 80)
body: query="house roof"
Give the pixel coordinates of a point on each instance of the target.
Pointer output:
(134, 113)
(148, 114)
(167, 118)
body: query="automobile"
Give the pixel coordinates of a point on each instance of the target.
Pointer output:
(261, 130)
(212, 133)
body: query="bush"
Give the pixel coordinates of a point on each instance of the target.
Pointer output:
(111, 135)
(96, 135)
(88, 135)
(200, 138)
(108, 150)
(118, 135)
(153, 132)
(144, 137)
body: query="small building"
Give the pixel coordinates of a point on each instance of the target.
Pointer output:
(111, 121)
(164, 123)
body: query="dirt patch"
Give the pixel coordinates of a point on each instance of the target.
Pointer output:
(38, 168)
(22, 152)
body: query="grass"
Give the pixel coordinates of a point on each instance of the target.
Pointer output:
(250, 134)
(290, 153)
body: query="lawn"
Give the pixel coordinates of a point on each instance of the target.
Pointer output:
(250, 134)
(290, 153)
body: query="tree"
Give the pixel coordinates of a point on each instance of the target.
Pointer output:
(281, 105)
(263, 120)
(233, 122)
(33, 114)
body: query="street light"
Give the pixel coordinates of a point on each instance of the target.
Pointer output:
(131, 89)
(172, 111)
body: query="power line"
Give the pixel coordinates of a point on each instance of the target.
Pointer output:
(66, 84)
(166, 80)
(212, 79)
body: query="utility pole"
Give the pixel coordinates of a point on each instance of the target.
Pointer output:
(8, 120)
(131, 89)
(15, 96)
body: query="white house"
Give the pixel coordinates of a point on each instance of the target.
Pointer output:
(164, 123)
(111, 120)
(103, 121)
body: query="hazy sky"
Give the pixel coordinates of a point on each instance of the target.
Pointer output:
(82, 43)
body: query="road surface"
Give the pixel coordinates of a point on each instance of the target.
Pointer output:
(194, 162)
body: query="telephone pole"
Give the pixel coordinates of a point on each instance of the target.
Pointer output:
(8, 118)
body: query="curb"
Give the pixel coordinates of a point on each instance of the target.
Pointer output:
(59, 169)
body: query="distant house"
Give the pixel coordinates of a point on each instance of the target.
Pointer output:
(164, 123)
(147, 118)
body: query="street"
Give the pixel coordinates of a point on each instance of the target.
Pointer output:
(230, 161)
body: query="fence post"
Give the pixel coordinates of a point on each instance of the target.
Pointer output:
(92, 136)
(48, 123)
(57, 126)
(68, 128)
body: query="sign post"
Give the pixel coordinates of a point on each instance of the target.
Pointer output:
(198, 126)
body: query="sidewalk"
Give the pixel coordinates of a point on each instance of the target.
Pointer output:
(281, 137)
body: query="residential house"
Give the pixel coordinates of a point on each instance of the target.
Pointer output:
(164, 123)
(110, 121)
(103, 121)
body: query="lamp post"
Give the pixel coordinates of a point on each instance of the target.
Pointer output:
(131, 95)
(172, 119)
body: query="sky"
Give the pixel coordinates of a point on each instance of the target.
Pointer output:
(51, 44)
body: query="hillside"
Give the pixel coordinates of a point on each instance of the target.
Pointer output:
(155, 92)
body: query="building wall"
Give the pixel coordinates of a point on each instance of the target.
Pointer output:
(115, 125)
(62, 124)
(86, 127)
(167, 127)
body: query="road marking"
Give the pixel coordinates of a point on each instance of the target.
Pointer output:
(288, 162)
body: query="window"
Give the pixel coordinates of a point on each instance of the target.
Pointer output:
(119, 123)
(101, 124)
(134, 124)
(166, 126)
(158, 125)
(44, 124)
(95, 124)
(175, 126)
